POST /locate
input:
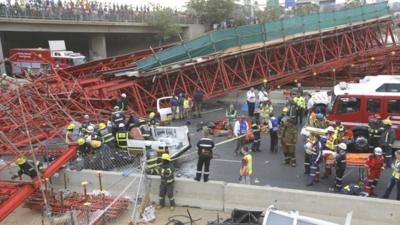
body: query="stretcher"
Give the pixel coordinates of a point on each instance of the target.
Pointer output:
(356, 160)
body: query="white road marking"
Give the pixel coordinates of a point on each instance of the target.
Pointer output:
(212, 110)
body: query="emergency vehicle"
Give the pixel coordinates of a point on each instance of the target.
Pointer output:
(354, 103)
(41, 60)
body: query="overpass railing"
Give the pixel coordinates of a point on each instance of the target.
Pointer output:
(77, 14)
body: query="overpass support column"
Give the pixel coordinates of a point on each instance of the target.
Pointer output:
(97, 46)
(2, 65)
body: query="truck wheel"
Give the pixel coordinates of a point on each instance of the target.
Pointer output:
(361, 141)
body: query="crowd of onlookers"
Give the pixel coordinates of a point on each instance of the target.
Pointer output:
(82, 10)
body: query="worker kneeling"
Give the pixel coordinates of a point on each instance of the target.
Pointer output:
(167, 173)
(27, 167)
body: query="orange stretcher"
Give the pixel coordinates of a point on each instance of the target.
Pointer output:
(352, 159)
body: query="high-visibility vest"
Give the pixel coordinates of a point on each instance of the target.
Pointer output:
(186, 104)
(248, 162)
(122, 139)
(167, 174)
(331, 142)
(106, 136)
(396, 170)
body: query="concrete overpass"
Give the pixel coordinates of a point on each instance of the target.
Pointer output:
(96, 39)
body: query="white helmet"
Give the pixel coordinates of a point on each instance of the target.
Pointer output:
(378, 151)
(342, 146)
(121, 125)
(4, 74)
(308, 145)
(90, 129)
(123, 95)
(330, 129)
(116, 107)
(86, 117)
(147, 143)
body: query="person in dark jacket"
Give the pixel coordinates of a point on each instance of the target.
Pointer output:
(167, 173)
(205, 148)
(122, 102)
(197, 101)
(387, 140)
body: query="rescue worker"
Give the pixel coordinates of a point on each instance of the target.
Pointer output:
(198, 96)
(133, 121)
(288, 135)
(375, 129)
(89, 134)
(352, 189)
(339, 131)
(152, 159)
(331, 143)
(83, 153)
(308, 152)
(122, 137)
(122, 102)
(284, 113)
(231, 114)
(251, 101)
(117, 118)
(240, 130)
(187, 108)
(340, 165)
(246, 169)
(153, 121)
(387, 140)
(85, 124)
(167, 173)
(256, 129)
(105, 136)
(315, 158)
(180, 107)
(300, 104)
(395, 179)
(102, 157)
(320, 122)
(145, 130)
(265, 109)
(263, 96)
(174, 102)
(373, 166)
(27, 167)
(205, 148)
(273, 125)
(70, 136)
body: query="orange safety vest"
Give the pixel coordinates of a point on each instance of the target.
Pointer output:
(247, 166)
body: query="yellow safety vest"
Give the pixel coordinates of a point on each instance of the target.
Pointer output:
(396, 170)
(331, 142)
(122, 139)
(249, 163)
(186, 104)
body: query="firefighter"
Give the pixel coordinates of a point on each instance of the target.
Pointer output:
(265, 110)
(205, 148)
(352, 189)
(83, 153)
(395, 179)
(315, 159)
(27, 167)
(375, 129)
(256, 129)
(284, 113)
(145, 130)
(122, 137)
(132, 122)
(70, 136)
(339, 131)
(288, 135)
(340, 165)
(374, 165)
(231, 114)
(105, 136)
(85, 124)
(102, 157)
(320, 122)
(122, 102)
(240, 129)
(300, 104)
(152, 159)
(387, 140)
(117, 117)
(331, 143)
(167, 173)
(273, 125)
(89, 134)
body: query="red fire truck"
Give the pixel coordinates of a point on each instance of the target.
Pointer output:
(354, 103)
(39, 60)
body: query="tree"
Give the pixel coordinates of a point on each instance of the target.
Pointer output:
(303, 10)
(269, 14)
(212, 11)
(163, 20)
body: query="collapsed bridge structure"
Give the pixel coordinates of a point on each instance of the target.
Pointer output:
(318, 49)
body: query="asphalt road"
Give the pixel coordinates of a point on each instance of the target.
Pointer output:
(267, 167)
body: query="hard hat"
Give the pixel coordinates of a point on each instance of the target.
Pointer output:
(377, 116)
(20, 161)
(152, 115)
(71, 126)
(95, 144)
(121, 125)
(387, 122)
(123, 95)
(377, 151)
(320, 116)
(4, 74)
(90, 129)
(147, 143)
(165, 156)
(102, 126)
(342, 146)
(308, 145)
(116, 107)
(86, 117)
(330, 129)
(285, 109)
(265, 80)
(80, 141)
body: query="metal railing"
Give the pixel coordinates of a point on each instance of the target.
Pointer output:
(78, 14)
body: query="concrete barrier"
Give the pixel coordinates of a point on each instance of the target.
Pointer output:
(368, 210)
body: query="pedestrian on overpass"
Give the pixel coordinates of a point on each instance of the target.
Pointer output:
(246, 170)
(240, 130)
(251, 101)
(205, 148)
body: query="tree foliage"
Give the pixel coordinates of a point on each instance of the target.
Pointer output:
(303, 10)
(269, 14)
(212, 11)
(163, 20)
